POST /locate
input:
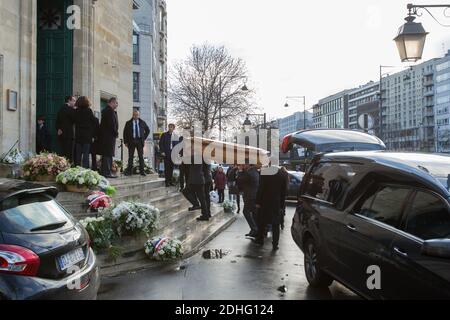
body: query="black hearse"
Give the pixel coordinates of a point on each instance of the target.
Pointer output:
(378, 222)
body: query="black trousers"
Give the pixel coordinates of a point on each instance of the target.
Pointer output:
(184, 171)
(250, 214)
(67, 149)
(221, 193)
(134, 145)
(107, 166)
(208, 197)
(198, 193)
(262, 231)
(168, 169)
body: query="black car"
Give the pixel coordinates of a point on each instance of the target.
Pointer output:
(377, 222)
(295, 180)
(44, 252)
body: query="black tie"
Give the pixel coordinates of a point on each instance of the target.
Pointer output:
(136, 130)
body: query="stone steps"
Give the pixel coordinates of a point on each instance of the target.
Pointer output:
(160, 198)
(194, 236)
(175, 220)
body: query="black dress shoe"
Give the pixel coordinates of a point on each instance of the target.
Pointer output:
(275, 248)
(143, 174)
(194, 208)
(112, 177)
(203, 218)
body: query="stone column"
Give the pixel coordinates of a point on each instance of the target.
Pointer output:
(27, 75)
(83, 46)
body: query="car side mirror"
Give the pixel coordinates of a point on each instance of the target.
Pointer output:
(439, 248)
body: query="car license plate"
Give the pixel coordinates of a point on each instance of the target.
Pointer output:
(70, 259)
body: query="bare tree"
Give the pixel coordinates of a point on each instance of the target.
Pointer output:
(207, 79)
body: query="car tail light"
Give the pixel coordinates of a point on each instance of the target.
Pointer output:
(285, 146)
(18, 260)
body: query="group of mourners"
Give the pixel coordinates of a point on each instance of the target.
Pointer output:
(82, 136)
(264, 193)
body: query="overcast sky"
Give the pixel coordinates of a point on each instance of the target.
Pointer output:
(298, 47)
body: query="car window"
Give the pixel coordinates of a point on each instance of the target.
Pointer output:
(329, 181)
(429, 217)
(24, 213)
(385, 205)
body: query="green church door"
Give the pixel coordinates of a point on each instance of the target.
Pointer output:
(54, 61)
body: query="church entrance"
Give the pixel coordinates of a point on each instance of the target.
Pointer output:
(54, 61)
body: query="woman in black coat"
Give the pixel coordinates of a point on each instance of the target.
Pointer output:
(84, 131)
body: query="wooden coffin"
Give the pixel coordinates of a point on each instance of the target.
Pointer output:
(225, 152)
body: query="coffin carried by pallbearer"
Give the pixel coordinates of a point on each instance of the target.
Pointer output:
(198, 148)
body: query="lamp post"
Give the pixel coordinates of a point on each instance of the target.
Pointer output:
(411, 36)
(304, 107)
(248, 123)
(244, 88)
(437, 138)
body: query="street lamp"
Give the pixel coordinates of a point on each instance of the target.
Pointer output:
(244, 89)
(304, 107)
(411, 36)
(247, 125)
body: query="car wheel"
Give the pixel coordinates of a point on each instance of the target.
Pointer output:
(315, 276)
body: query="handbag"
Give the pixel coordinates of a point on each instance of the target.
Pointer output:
(214, 196)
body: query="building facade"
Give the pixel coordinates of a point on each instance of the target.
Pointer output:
(442, 108)
(408, 108)
(150, 65)
(332, 111)
(363, 108)
(51, 49)
(293, 123)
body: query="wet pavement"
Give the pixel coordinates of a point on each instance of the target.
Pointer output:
(233, 269)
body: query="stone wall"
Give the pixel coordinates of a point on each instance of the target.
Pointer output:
(103, 54)
(18, 72)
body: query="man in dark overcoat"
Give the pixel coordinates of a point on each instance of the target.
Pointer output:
(270, 202)
(108, 134)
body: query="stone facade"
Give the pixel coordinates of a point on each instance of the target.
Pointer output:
(17, 73)
(102, 62)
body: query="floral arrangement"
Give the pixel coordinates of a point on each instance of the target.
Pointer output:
(117, 166)
(13, 157)
(79, 177)
(229, 206)
(147, 167)
(98, 200)
(162, 248)
(100, 231)
(132, 217)
(106, 187)
(44, 164)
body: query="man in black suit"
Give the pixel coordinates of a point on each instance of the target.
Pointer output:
(65, 128)
(135, 134)
(108, 133)
(43, 139)
(166, 145)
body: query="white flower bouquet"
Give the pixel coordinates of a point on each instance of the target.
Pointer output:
(79, 177)
(162, 248)
(229, 206)
(147, 167)
(132, 217)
